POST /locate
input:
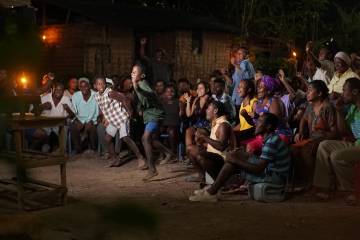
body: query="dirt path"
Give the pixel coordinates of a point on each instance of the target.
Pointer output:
(115, 204)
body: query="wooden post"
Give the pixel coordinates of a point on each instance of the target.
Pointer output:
(20, 172)
(62, 146)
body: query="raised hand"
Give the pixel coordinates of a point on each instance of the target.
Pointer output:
(309, 46)
(281, 75)
(143, 41)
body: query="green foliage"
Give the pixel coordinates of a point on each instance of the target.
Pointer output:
(282, 21)
(271, 66)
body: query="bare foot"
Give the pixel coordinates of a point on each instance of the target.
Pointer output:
(142, 164)
(166, 160)
(117, 162)
(106, 156)
(351, 200)
(150, 175)
(323, 197)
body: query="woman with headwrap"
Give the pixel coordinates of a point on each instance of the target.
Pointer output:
(267, 102)
(342, 73)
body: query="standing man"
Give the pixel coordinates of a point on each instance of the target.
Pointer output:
(324, 67)
(153, 114)
(115, 108)
(221, 96)
(86, 112)
(160, 68)
(243, 70)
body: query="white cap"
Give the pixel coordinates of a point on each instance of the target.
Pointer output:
(84, 79)
(110, 81)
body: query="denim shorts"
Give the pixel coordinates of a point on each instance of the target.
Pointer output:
(152, 126)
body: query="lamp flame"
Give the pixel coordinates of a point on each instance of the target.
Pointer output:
(23, 80)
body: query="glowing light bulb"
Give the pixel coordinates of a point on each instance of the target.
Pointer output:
(294, 54)
(43, 37)
(23, 80)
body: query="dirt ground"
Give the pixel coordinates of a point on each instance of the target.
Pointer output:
(114, 203)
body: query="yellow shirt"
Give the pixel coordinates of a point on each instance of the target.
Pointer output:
(244, 125)
(215, 125)
(337, 82)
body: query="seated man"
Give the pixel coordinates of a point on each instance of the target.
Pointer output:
(272, 166)
(211, 160)
(87, 112)
(53, 104)
(335, 160)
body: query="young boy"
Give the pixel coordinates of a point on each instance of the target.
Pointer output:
(152, 114)
(115, 109)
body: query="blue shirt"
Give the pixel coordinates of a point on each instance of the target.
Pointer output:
(85, 111)
(276, 152)
(246, 71)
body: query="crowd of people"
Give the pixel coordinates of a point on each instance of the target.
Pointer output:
(239, 122)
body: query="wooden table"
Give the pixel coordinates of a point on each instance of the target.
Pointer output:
(30, 193)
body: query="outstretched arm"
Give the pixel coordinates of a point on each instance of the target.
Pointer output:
(143, 43)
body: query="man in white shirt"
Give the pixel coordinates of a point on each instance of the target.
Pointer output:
(53, 104)
(324, 67)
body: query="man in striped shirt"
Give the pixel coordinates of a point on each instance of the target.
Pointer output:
(272, 166)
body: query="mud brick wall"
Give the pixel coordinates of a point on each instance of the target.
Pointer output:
(215, 55)
(87, 48)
